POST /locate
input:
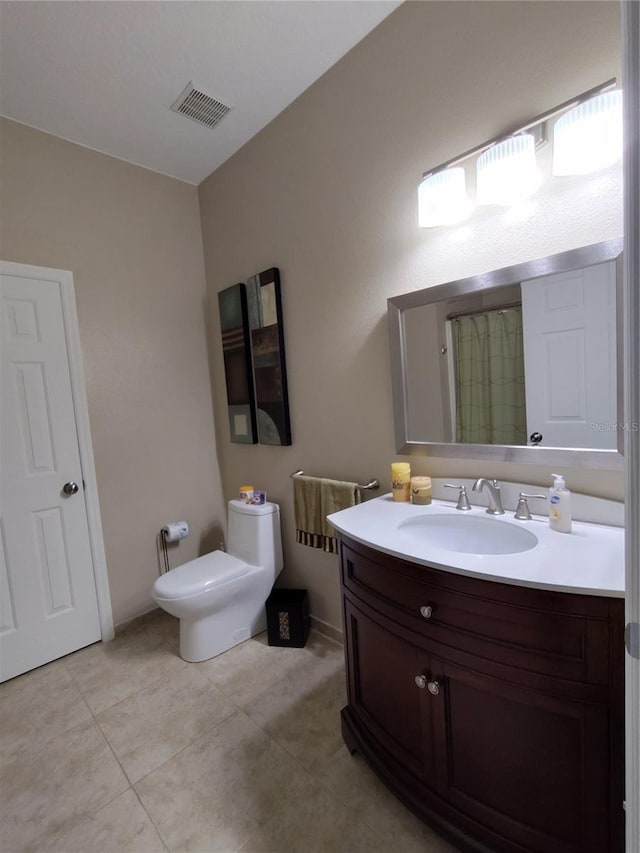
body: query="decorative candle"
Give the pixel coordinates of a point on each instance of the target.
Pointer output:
(246, 494)
(421, 490)
(400, 480)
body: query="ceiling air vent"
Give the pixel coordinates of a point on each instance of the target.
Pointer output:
(202, 108)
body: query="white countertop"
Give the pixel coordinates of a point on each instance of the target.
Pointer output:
(589, 560)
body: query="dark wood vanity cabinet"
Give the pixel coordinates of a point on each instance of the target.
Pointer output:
(492, 710)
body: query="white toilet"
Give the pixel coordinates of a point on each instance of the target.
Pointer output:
(219, 598)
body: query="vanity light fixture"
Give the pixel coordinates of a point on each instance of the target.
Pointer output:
(589, 136)
(506, 167)
(442, 198)
(507, 171)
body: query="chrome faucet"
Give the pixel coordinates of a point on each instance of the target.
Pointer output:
(523, 513)
(493, 487)
(463, 500)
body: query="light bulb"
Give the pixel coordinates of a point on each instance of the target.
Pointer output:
(589, 136)
(507, 172)
(442, 199)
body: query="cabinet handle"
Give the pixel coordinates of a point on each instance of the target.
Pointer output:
(433, 688)
(427, 611)
(421, 681)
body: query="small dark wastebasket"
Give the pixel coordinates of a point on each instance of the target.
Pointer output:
(288, 620)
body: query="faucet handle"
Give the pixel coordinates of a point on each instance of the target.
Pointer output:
(463, 499)
(522, 510)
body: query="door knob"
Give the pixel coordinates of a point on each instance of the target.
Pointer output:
(421, 681)
(70, 488)
(433, 687)
(426, 611)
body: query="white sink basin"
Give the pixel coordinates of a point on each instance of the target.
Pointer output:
(468, 534)
(589, 560)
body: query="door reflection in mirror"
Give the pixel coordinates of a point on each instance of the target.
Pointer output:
(494, 366)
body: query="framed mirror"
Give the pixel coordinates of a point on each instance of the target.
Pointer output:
(520, 364)
(267, 351)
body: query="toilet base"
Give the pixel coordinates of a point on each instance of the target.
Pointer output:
(204, 638)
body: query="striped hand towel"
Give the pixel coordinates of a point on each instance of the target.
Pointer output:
(314, 499)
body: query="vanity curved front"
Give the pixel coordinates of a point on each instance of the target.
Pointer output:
(493, 710)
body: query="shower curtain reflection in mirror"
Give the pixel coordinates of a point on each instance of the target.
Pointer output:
(490, 405)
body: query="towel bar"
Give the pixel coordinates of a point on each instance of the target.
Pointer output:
(372, 485)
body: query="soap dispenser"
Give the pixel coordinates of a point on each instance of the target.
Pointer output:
(559, 505)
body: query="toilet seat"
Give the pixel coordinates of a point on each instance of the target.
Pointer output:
(200, 575)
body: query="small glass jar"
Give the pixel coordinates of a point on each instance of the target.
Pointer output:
(401, 481)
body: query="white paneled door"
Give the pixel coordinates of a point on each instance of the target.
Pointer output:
(48, 600)
(569, 332)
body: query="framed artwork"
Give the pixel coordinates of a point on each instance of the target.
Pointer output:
(267, 349)
(236, 349)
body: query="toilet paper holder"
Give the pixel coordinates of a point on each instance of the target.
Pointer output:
(175, 530)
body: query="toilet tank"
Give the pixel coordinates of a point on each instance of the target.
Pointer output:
(254, 535)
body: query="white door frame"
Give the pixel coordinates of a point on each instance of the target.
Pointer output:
(64, 279)
(631, 278)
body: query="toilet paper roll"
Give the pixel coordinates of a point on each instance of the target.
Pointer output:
(175, 530)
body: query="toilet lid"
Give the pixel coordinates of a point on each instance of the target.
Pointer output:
(199, 575)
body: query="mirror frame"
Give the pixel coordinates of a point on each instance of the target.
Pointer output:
(584, 256)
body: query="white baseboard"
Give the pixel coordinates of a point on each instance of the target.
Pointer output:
(318, 625)
(327, 630)
(130, 623)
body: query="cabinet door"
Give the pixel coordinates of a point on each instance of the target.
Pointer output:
(383, 694)
(532, 768)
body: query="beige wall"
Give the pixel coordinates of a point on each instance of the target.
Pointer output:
(133, 243)
(327, 193)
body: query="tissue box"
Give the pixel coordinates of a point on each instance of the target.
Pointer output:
(288, 619)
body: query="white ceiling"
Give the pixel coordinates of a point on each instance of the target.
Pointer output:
(104, 74)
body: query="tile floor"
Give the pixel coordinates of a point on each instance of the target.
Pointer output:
(125, 747)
